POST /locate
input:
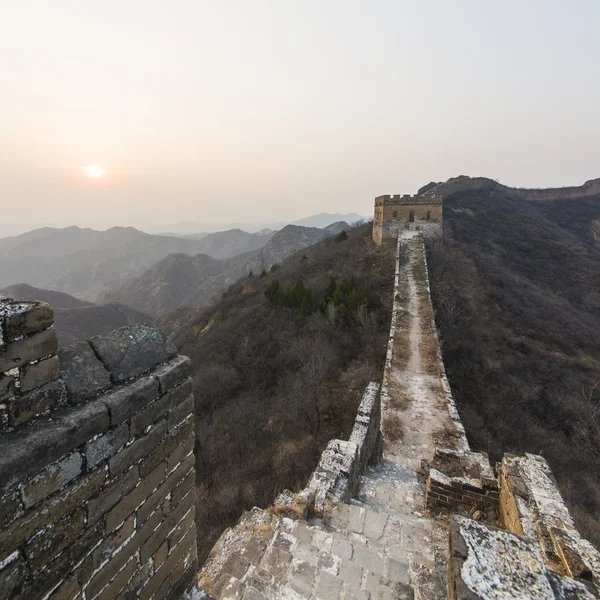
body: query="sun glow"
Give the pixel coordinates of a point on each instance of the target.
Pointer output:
(94, 171)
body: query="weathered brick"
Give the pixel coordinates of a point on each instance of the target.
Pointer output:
(12, 576)
(183, 489)
(173, 440)
(36, 402)
(141, 576)
(152, 413)
(161, 554)
(120, 581)
(140, 448)
(10, 506)
(182, 528)
(113, 493)
(84, 375)
(132, 350)
(172, 372)
(158, 496)
(184, 565)
(28, 349)
(168, 566)
(52, 540)
(128, 400)
(106, 445)
(38, 374)
(26, 318)
(60, 567)
(132, 500)
(170, 522)
(181, 412)
(7, 387)
(51, 479)
(108, 572)
(46, 441)
(181, 392)
(180, 453)
(51, 511)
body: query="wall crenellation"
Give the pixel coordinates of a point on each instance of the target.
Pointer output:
(97, 470)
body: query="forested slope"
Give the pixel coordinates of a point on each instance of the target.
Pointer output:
(516, 289)
(277, 375)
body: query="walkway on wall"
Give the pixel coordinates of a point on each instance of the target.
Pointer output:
(382, 545)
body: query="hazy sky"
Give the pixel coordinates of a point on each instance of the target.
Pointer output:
(256, 110)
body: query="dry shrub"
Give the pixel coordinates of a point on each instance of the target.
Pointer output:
(392, 427)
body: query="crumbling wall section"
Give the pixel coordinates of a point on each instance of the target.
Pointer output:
(96, 463)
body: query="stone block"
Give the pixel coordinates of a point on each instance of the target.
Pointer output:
(112, 494)
(133, 499)
(172, 373)
(36, 402)
(26, 452)
(84, 375)
(12, 576)
(52, 540)
(328, 586)
(120, 581)
(106, 445)
(28, 349)
(59, 568)
(180, 453)
(149, 415)
(181, 412)
(10, 507)
(181, 392)
(22, 318)
(51, 511)
(183, 489)
(156, 539)
(161, 554)
(174, 439)
(128, 400)
(181, 530)
(51, 479)
(40, 373)
(7, 387)
(168, 566)
(132, 350)
(132, 454)
(374, 524)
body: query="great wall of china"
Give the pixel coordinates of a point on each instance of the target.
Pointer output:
(97, 477)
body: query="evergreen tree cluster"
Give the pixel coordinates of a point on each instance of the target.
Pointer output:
(341, 298)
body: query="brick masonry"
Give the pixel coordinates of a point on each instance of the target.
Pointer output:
(97, 464)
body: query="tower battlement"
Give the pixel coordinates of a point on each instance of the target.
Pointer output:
(402, 211)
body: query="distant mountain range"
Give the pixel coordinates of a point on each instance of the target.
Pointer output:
(321, 220)
(87, 264)
(181, 279)
(77, 320)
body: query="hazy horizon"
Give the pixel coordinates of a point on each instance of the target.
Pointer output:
(229, 113)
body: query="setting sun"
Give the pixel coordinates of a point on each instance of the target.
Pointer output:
(94, 171)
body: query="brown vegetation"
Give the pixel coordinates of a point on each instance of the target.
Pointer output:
(516, 288)
(274, 384)
(391, 427)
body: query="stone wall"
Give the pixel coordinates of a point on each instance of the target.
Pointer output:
(97, 464)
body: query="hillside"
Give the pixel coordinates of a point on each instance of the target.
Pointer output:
(74, 319)
(516, 286)
(181, 279)
(83, 262)
(274, 380)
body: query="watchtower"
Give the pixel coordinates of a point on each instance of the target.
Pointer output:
(394, 213)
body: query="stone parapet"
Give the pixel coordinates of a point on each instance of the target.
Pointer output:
(96, 491)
